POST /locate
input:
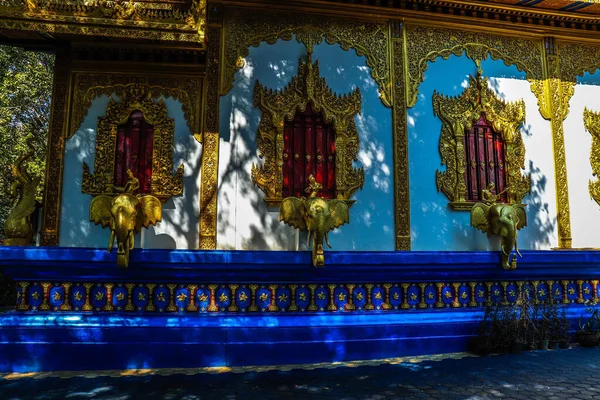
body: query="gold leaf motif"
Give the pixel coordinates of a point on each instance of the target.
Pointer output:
(203, 297)
(426, 44)
(282, 298)
(458, 114)
(112, 18)
(141, 297)
(243, 296)
(281, 105)
(591, 121)
(359, 296)
(77, 296)
(302, 296)
(99, 296)
(56, 296)
(321, 296)
(245, 29)
(120, 296)
(223, 298)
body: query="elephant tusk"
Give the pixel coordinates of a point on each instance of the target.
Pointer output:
(327, 239)
(111, 240)
(504, 251)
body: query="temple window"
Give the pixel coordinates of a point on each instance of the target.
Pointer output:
(307, 129)
(480, 144)
(135, 140)
(135, 134)
(484, 158)
(309, 149)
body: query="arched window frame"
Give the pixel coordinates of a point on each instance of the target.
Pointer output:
(137, 98)
(281, 105)
(458, 114)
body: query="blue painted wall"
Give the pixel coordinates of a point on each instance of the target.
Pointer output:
(244, 220)
(434, 226)
(179, 228)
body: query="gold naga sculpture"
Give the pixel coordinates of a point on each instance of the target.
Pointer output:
(17, 228)
(498, 218)
(316, 215)
(125, 214)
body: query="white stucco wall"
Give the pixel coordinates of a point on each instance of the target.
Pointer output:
(585, 212)
(244, 220)
(179, 227)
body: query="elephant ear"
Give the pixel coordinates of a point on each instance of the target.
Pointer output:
(150, 212)
(339, 213)
(292, 211)
(522, 215)
(100, 210)
(479, 217)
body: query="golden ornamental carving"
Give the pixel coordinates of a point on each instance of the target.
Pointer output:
(210, 144)
(559, 87)
(281, 105)
(245, 29)
(426, 44)
(151, 20)
(87, 87)
(591, 121)
(458, 114)
(137, 98)
(400, 132)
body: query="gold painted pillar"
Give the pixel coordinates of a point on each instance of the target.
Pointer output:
(56, 148)
(555, 107)
(210, 139)
(400, 138)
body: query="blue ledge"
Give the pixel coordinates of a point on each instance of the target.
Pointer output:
(74, 264)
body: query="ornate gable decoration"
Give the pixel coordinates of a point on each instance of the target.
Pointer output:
(591, 121)
(150, 19)
(278, 106)
(136, 98)
(458, 114)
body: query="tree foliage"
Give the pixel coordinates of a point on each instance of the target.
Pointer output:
(25, 92)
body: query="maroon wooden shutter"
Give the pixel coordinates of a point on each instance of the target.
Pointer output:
(135, 142)
(484, 158)
(309, 148)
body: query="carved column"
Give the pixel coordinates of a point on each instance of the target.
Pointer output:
(555, 107)
(56, 149)
(210, 137)
(400, 136)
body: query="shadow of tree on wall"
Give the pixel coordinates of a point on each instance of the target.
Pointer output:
(540, 224)
(239, 133)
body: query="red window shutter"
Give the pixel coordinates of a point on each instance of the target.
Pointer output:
(135, 143)
(484, 158)
(309, 148)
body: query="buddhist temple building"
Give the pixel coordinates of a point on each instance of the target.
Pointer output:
(446, 151)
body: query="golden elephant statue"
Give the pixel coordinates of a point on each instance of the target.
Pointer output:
(501, 219)
(316, 215)
(125, 214)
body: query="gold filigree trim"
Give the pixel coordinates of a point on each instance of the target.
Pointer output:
(187, 90)
(426, 44)
(558, 91)
(210, 144)
(136, 98)
(278, 106)
(246, 28)
(400, 138)
(130, 19)
(458, 114)
(591, 121)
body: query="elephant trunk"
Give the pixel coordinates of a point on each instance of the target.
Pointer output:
(124, 242)
(317, 249)
(509, 237)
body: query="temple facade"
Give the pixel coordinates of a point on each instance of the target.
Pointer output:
(447, 151)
